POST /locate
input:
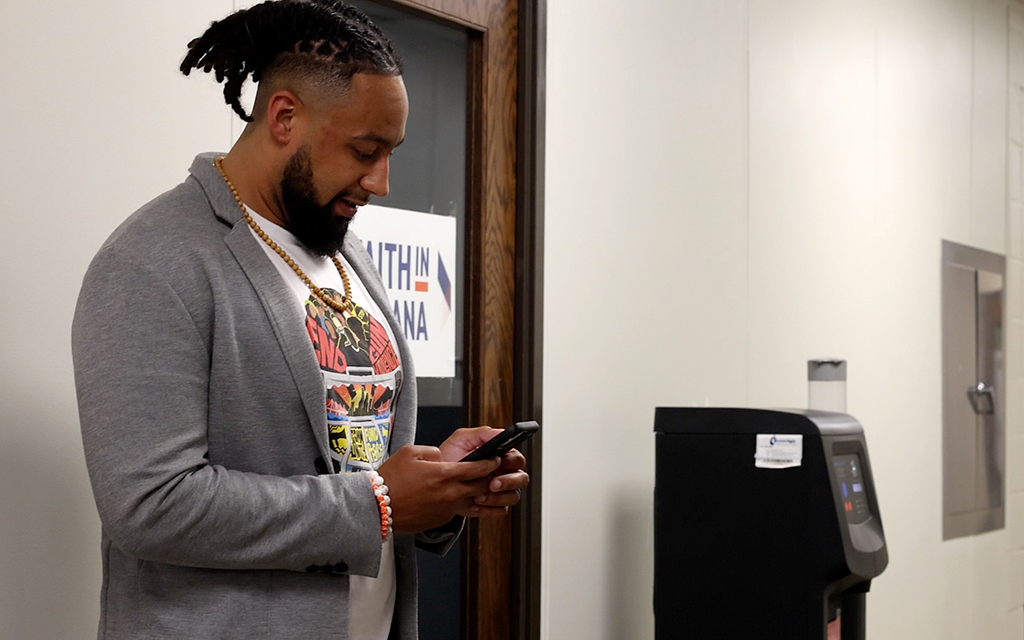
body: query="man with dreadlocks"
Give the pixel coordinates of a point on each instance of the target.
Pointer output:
(247, 400)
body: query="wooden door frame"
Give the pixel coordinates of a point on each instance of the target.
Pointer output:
(504, 290)
(526, 521)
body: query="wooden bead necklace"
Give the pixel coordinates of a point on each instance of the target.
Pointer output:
(345, 306)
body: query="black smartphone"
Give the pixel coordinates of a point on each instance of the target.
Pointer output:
(501, 443)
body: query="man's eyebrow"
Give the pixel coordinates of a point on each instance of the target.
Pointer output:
(379, 139)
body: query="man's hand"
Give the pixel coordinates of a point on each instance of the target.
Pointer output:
(427, 491)
(506, 482)
(429, 486)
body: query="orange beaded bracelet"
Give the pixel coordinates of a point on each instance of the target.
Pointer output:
(380, 491)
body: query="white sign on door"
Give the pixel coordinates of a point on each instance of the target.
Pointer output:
(415, 255)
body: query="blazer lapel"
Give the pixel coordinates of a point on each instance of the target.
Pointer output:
(288, 326)
(275, 297)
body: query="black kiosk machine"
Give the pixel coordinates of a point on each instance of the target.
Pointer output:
(766, 524)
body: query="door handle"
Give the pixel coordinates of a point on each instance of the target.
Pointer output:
(982, 399)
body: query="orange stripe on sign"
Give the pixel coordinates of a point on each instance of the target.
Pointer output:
(421, 285)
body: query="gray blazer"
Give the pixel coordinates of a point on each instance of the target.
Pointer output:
(203, 420)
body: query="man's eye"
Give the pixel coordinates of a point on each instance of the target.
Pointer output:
(364, 154)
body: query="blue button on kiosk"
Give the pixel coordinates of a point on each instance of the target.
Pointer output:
(766, 524)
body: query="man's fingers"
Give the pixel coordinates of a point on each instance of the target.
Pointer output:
(464, 471)
(476, 436)
(423, 452)
(465, 440)
(501, 499)
(509, 481)
(472, 489)
(513, 460)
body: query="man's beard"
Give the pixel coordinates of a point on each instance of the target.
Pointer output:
(315, 226)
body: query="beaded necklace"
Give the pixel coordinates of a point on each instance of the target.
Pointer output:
(344, 306)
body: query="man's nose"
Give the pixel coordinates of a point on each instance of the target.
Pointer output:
(376, 181)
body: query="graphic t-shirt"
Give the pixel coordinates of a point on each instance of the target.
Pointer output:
(362, 375)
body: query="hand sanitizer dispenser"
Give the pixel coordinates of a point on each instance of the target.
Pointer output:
(766, 524)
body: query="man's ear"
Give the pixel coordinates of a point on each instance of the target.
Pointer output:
(283, 111)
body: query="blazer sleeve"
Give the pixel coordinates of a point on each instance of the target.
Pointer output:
(142, 372)
(440, 540)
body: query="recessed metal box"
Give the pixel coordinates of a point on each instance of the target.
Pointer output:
(973, 391)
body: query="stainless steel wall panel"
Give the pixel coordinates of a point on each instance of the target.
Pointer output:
(973, 384)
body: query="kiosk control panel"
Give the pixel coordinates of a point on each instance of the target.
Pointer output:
(845, 468)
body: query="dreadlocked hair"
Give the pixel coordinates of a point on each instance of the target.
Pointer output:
(314, 38)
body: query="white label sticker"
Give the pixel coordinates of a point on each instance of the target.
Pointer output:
(778, 451)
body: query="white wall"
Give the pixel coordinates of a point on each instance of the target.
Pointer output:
(96, 122)
(762, 182)
(645, 279)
